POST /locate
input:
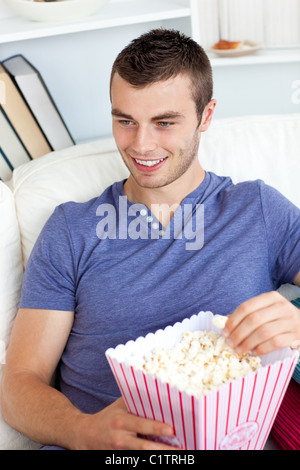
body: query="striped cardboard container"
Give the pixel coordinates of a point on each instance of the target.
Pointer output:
(239, 415)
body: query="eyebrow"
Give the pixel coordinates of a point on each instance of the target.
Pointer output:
(118, 113)
(160, 117)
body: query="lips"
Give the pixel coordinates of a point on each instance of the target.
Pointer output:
(148, 162)
(148, 165)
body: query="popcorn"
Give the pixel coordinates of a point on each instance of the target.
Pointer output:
(200, 362)
(235, 415)
(219, 321)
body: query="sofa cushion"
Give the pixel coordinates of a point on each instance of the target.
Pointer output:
(256, 147)
(11, 275)
(78, 173)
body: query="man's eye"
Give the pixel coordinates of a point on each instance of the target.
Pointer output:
(165, 124)
(126, 123)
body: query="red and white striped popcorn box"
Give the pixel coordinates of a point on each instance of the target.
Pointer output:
(238, 415)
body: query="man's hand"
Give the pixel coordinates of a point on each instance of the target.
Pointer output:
(263, 324)
(114, 428)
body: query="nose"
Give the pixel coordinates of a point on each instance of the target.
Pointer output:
(144, 141)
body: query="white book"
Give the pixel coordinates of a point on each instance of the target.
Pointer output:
(40, 102)
(11, 144)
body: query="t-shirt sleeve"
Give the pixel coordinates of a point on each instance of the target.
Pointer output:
(49, 279)
(282, 221)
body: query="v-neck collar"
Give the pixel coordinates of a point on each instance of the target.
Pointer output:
(192, 199)
(195, 195)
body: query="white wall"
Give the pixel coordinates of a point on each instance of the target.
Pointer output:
(257, 89)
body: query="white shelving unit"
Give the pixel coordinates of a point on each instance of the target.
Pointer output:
(124, 13)
(114, 14)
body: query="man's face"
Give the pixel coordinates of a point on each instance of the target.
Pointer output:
(156, 129)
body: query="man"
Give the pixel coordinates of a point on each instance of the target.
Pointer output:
(86, 290)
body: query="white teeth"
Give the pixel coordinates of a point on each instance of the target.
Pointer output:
(149, 162)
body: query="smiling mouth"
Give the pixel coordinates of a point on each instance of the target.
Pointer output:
(149, 163)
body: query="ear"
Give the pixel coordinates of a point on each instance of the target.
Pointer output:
(207, 115)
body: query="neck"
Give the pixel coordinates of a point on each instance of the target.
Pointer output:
(163, 201)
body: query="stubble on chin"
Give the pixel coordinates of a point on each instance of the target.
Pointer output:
(178, 166)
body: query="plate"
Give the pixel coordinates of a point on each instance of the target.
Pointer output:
(62, 10)
(246, 48)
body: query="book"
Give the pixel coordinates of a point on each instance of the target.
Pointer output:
(5, 167)
(21, 118)
(10, 143)
(39, 100)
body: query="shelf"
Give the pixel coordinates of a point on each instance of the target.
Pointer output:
(274, 55)
(113, 14)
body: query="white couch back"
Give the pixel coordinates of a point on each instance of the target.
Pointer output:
(265, 147)
(78, 174)
(256, 147)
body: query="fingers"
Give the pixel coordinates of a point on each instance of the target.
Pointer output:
(128, 431)
(263, 324)
(253, 307)
(131, 435)
(143, 426)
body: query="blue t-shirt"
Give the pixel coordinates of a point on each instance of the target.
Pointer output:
(111, 262)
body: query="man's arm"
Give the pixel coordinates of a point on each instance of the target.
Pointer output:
(45, 415)
(28, 402)
(264, 323)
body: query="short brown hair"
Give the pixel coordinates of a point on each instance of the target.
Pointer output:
(162, 54)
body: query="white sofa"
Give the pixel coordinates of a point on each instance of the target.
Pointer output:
(264, 147)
